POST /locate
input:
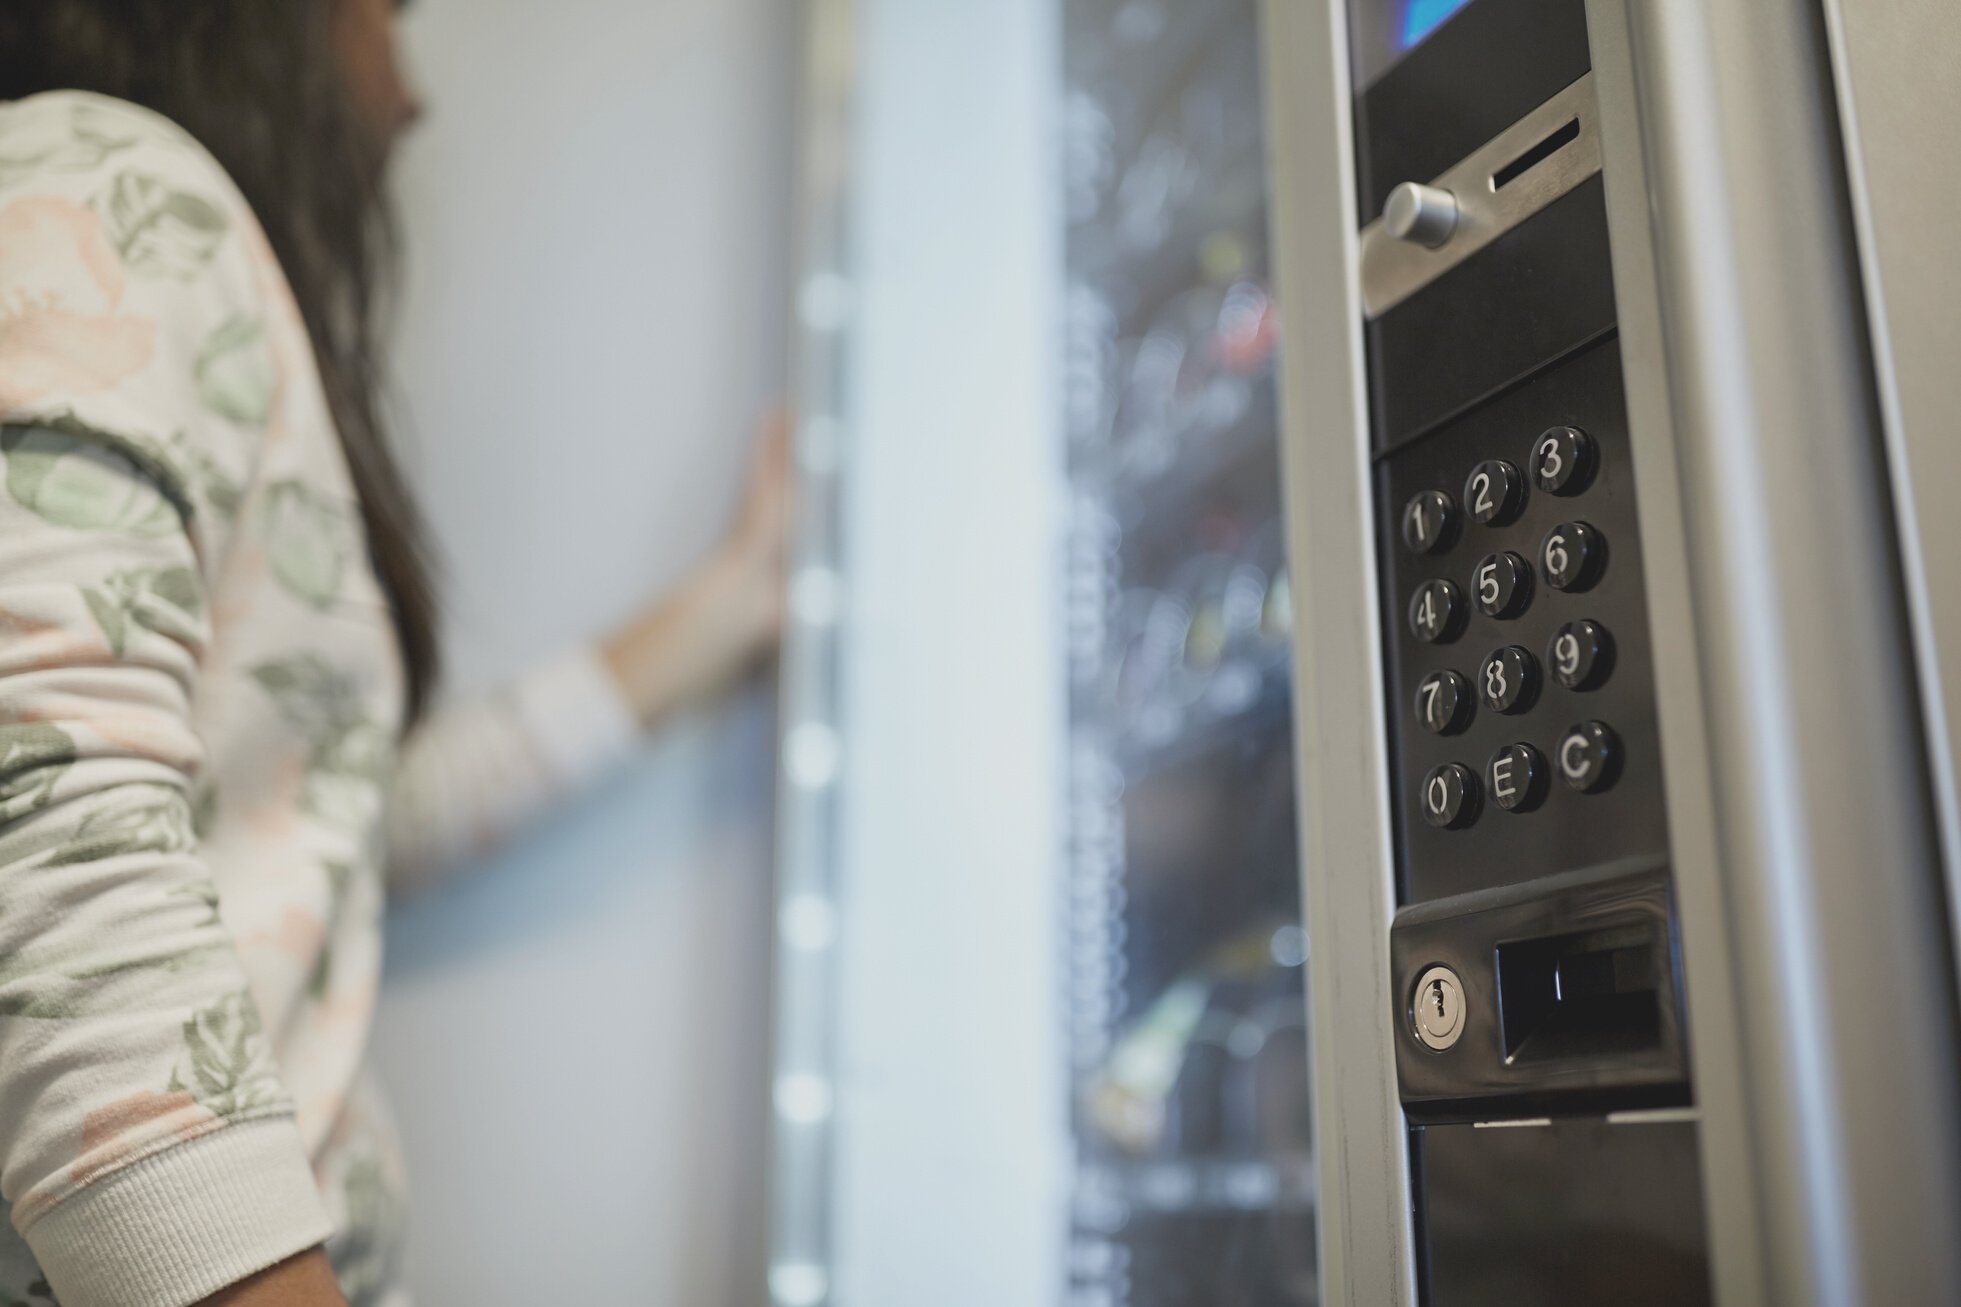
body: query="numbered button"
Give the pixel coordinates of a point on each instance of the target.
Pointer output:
(1443, 703)
(1436, 612)
(1563, 460)
(1590, 757)
(1581, 655)
(1429, 522)
(1450, 796)
(1509, 680)
(1516, 776)
(1504, 585)
(1572, 555)
(1495, 493)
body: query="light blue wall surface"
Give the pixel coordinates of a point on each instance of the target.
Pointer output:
(574, 1038)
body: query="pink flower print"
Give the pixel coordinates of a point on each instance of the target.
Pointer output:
(61, 286)
(130, 1127)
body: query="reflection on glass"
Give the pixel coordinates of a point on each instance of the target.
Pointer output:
(1194, 1179)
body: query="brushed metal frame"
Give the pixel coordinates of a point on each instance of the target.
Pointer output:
(1361, 1141)
(1393, 270)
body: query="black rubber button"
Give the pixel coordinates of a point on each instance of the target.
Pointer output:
(1429, 522)
(1450, 796)
(1572, 555)
(1444, 703)
(1502, 585)
(1589, 757)
(1495, 493)
(1563, 460)
(1436, 612)
(1516, 777)
(1508, 682)
(1581, 655)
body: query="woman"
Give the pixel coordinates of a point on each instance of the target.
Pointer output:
(215, 625)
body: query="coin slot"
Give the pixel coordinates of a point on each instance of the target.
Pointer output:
(1585, 995)
(1560, 138)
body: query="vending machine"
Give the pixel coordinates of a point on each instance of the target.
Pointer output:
(1368, 710)
(1628, 808)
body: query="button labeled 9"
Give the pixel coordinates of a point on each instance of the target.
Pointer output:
(1581, 654)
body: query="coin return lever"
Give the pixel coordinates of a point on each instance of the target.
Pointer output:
(1582, 995)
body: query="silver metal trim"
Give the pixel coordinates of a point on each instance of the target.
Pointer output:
(802, 1152)
(1803, 837)
(1362, 1140)
(1894, 76)
(1394, 269)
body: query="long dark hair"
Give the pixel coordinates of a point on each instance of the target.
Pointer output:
(256, 82)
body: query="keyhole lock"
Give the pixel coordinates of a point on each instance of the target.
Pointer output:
(1437, 1008)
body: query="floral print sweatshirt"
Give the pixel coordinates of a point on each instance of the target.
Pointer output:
(200, 785)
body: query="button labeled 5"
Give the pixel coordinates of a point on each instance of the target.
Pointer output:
(1504, 585)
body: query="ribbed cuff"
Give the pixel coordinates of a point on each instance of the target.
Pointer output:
(577, 717)
(184, 1223)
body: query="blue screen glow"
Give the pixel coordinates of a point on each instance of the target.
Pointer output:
(1423, 17)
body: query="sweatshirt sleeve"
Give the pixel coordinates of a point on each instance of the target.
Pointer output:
(481, 769)
(147, 1145)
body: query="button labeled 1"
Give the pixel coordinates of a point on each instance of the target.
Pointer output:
(1429, 521)
(1436, 1009)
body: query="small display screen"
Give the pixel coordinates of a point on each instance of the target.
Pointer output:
(1385, 30)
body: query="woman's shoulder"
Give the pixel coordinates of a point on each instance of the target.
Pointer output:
(137, 292)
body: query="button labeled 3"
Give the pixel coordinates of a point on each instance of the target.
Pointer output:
(1436, 1009)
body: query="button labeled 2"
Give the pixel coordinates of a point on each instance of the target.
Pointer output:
(1495, 492)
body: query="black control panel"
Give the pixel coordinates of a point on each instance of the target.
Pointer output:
(1541, 1050)
(1522, 689)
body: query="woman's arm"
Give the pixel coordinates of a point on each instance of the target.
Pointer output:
(303, 1281)
(483, 768)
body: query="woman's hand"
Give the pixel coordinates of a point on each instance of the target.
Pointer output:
(727, 614)
(303, 1281)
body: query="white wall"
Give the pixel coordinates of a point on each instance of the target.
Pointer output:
(574, 1039)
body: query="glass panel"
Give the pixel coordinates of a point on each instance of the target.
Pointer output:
(1194, 1178)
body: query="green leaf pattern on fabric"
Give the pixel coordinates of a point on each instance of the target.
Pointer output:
(311, 540)
(235, 372)
(159, 230)
(226, 1063)
(166, 600)
(33, 758)
(161, 825)
(84, 485)
(365, 1250)
(93, 138)
(349, 753)
(340, 879)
